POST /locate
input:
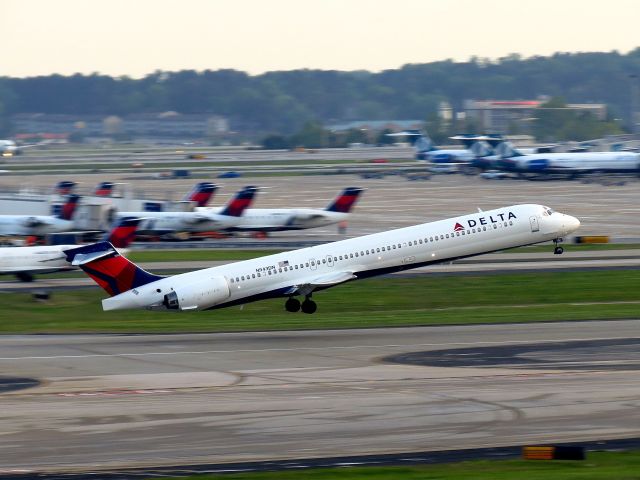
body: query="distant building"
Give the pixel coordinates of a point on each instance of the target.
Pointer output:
(501, 116)
(166, 125)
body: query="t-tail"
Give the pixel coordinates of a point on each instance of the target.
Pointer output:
(507, 150)
(123, 232)
(240, 202)
(110, 270)
(104, 189)
(346, 200)
(69, 208)
(201, 193)
(65, 187)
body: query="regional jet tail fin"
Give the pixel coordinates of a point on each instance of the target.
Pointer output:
(110, 270)
(65, 187)
(69, 208)
(104, 189)
(346, 200)
(240, 202)
(123, 232)
(507, 150)
(201, 193)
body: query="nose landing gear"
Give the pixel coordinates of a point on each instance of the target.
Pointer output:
(558, 249)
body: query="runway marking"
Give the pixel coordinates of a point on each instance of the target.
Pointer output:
(347, 347)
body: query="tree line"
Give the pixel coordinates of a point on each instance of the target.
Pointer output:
(283, 102)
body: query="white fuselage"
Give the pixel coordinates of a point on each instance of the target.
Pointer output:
(329, 264)
(41, 259)
(280, 219)
(39, 225)
(584, 162)
(181, 221)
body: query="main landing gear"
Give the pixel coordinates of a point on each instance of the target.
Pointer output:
(294, 305)
(558, 249)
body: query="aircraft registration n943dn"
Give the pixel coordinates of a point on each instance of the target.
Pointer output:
(302, 272)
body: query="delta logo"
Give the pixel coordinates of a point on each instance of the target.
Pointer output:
(494, 218)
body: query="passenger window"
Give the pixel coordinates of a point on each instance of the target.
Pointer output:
(409, 243)
(495, 226)
(394, 247)
(384, 249)
(340, 257)
(259, 274)
(362, 254)
(436, 237)
(441, 237)
(447, 235)
(237, 279)
(378, 250)
(335, 259)
(307, 264)
(324, 260)
(356, 254)
(351, 255)
(457, 234)
(253, 275)
(232, 280)
(279, 270)
(463, 232)
(505, 224)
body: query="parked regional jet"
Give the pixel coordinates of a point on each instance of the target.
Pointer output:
(302, 272)
(160, 223)
(566, 164)
(23, 225)
(281, 219)
(24, 262)
(9, 148)
(426, 150)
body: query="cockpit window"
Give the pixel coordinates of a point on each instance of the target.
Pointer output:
(546, 211)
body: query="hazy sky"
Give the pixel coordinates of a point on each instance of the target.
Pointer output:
(136, 37)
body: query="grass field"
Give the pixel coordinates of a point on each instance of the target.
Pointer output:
(392, 301)
(598, 466)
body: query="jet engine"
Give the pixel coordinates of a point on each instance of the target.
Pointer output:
(197, 296)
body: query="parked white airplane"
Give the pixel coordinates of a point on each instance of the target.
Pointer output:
(281, 219)
(39, 225)
(9, 148)
(159, 223)
(571, 164)
(24, 262)
(302, 272)
(475, 146)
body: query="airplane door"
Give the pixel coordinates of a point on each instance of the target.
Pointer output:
(535, 227)
(329, 261)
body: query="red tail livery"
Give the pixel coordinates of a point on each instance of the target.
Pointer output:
(346, 200)
(113, 272)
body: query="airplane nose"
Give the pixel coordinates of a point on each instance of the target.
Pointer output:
(571, 223)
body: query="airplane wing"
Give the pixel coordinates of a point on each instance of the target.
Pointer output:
(320, 282)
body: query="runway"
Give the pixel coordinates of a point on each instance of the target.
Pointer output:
(108, 401)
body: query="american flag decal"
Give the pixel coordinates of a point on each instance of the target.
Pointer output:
(283, 264)
(458, 227)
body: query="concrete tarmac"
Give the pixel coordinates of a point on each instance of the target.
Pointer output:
(105, 401)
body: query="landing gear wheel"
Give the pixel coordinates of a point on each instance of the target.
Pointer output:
(558, 249)
(292, 305)
(309, 306)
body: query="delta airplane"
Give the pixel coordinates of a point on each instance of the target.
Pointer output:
(201, 193)
(24, 262)
(8, 148)
(570, 165)
(305, 271)
(159, 223)
(282, 219)
(39, 225)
